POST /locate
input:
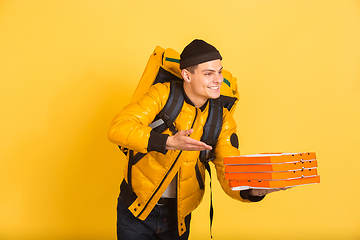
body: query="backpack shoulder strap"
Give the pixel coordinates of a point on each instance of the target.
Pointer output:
(166, 117)
(212, 129)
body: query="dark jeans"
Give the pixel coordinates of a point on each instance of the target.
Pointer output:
(160, 224)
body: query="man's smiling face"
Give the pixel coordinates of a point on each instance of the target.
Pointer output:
(204, 82)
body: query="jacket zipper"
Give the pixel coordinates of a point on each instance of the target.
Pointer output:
(162, 181)
(197, 171)
(172, 166)
(196, 112)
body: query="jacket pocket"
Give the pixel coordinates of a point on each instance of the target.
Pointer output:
(199, 177)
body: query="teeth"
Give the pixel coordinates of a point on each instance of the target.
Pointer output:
(213, 87)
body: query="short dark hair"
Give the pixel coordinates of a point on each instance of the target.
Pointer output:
(192, 69)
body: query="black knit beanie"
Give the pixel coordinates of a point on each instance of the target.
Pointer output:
(198, 51)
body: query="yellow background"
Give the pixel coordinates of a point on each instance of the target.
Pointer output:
(67, 67)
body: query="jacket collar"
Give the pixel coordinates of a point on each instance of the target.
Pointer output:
(188, 101)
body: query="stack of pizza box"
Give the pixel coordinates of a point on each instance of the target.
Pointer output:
(271, 170)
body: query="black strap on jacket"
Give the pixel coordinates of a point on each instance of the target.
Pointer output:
(212, 129)
(210, 136)
(207, 166)
(167, 116)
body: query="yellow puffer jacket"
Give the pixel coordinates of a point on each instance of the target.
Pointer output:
(152, 174)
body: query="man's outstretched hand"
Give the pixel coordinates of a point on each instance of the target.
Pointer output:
(182, 141)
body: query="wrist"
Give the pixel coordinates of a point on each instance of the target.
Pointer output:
(169, 145)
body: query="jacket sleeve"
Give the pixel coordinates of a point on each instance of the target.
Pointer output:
(130, 128)
(227, 145)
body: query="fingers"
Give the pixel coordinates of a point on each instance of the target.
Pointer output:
(194, 145)
(263, 192)
(275, 190)
(186, 132)
(258, 192)
(184, 142)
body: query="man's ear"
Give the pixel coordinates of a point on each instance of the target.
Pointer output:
(186, 75)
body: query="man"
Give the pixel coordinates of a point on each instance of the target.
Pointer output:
(167, 184)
